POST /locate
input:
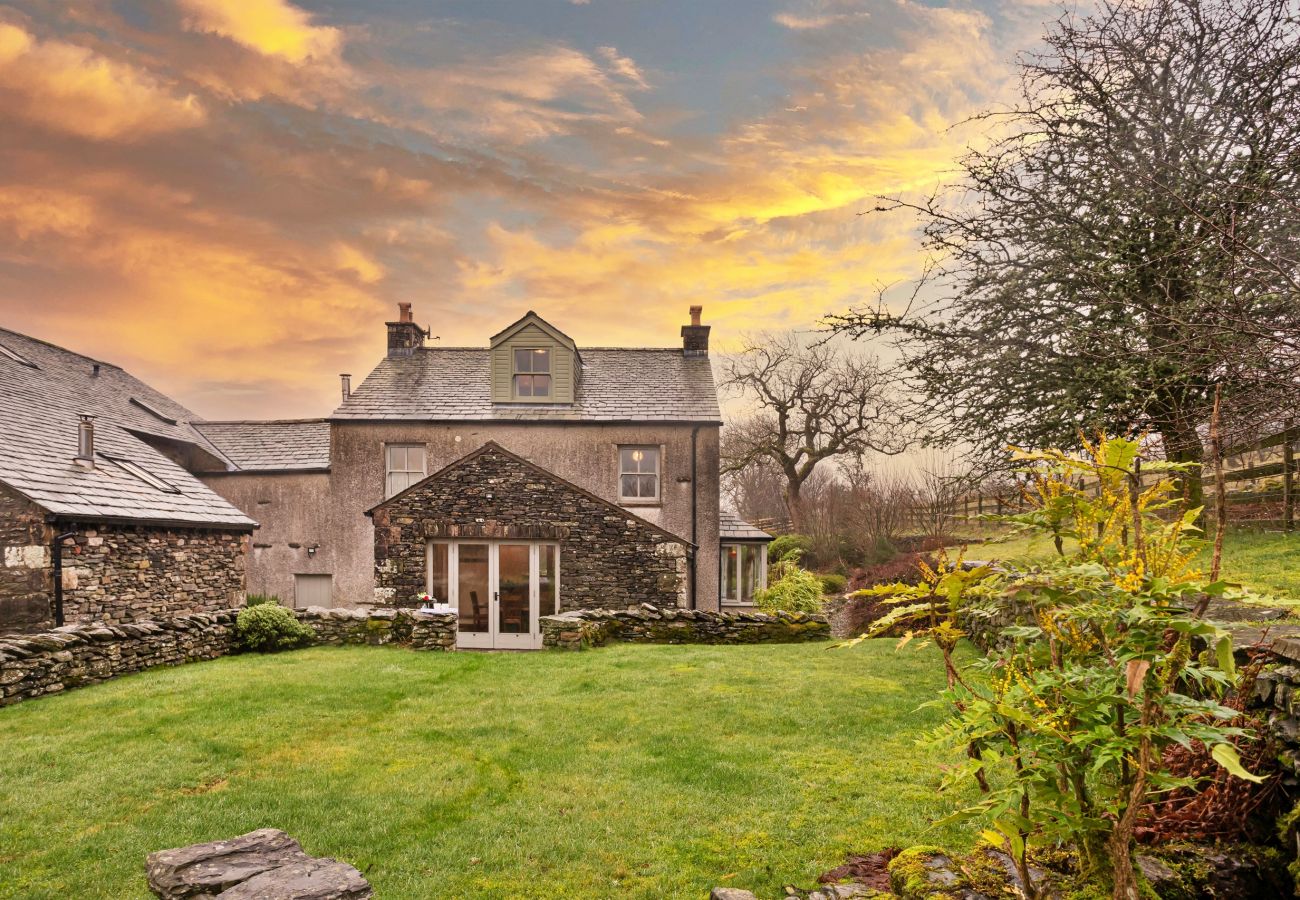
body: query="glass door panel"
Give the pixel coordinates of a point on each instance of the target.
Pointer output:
(513, 596)
(473, 588)
(548, 579)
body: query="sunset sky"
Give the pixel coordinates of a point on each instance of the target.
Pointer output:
(228, 197)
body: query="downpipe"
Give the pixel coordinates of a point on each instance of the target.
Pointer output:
(56, 554)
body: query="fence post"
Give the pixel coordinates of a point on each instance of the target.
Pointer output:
(1288, 477)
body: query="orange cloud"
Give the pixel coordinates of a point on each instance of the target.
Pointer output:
(71, 89)
(270, 27)
(241, 253)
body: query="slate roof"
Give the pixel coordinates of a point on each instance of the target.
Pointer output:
(39, 408)
(618, 384)
(298, 445)
(733, 528)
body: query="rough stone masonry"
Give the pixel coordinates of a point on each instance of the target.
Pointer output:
(609, 559)
(76, 655)
(111, 573)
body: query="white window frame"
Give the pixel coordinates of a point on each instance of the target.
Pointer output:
(389, 471)
(658, 475)
(760, 583)
(515, 372)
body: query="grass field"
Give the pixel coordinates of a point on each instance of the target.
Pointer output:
(633, 771)
(1268, 563)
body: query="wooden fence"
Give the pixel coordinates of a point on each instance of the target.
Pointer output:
(1260, 478)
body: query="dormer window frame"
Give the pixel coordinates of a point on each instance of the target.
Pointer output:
(530, 375)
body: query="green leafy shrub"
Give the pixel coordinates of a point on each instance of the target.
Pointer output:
(785, 544)
(791, 588)
(1078, 704)
(833, 583)
(269, 627)
(259, 599)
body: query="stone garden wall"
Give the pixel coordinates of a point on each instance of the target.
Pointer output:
(1277, 697)
(581, 629)
(77, 655)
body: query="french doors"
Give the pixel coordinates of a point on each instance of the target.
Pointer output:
(498, 588)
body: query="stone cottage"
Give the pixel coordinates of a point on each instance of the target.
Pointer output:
(510, 480)
(101, 518)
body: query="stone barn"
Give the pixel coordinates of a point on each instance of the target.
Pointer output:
(101, 518)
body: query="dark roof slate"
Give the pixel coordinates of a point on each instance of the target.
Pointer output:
(732, 527)
(39, 408)
(618, 384)
(283, 446)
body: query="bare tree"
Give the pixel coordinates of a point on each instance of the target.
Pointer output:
(814, 402)
(757, 492)
(942, 480)
(1129, 243)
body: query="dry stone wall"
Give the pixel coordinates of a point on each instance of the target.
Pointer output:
(76, 655)
(582, 629)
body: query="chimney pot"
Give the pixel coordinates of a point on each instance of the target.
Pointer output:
(86, 442)
(404, 312)
(695, 337)
(347, 385)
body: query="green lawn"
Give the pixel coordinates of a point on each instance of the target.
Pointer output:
(637, 771)
(1268, 563)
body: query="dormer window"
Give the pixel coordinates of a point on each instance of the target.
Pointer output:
(534, 363)
(532, 373)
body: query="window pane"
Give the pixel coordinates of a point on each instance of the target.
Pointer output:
(523, 385)
(729, 559)
(548, 581)
(748, 572)
(628, 486)
(472, 586)
(533, 360)
(513, 589)
(648, 486)
(643, 460)
(439, 585)
(541, 385)
(396, 458)
(415, 461)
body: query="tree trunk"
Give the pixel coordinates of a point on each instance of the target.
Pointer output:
(1183, 444)
(794, 505)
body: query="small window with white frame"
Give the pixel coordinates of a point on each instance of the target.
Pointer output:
(532, 374)
(638, 474)
(403, 467)
(744, 573)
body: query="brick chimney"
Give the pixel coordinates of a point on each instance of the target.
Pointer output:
(404, 336)
(695, 337)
